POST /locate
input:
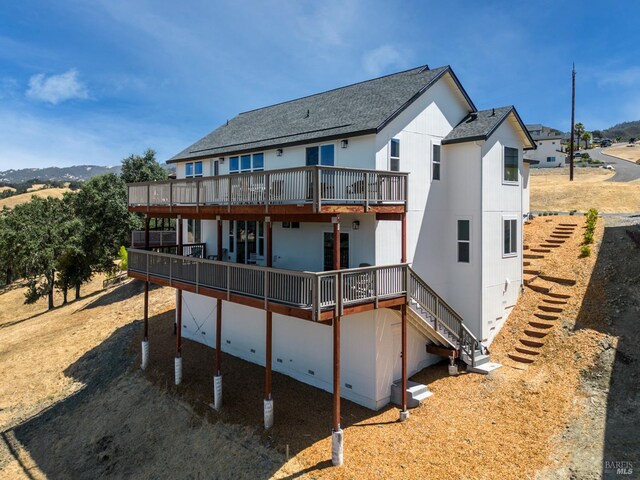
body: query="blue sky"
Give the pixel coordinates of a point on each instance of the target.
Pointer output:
(92, 82)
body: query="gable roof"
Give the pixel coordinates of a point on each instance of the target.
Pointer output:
(481, 125)
(358, 109)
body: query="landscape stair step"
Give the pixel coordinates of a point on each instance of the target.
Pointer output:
(554, 302)
(535, 333)
(558, 295)
(540, 325)
(532, 255)
(527, 351)
(546, 308)
(520, 358)
(549, 245)
(531, 343)
(540, 250)
(416, 393)
(562, 281)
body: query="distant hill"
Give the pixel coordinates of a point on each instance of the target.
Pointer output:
(65, 174)
(624, 130)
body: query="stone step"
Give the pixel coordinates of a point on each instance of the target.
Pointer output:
(540, 325)
(520, 358)
(416, 393)
(546, 308)
(527, 351)
(535, 333)
(531, 343)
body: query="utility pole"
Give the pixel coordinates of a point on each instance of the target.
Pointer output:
(573, 120)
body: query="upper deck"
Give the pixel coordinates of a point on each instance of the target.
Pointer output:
(291, 191)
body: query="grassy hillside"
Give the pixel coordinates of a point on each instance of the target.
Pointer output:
(25, 197)
(624, 130)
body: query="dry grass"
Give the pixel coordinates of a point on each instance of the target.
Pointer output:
(552, 190)
(14, 200)
(505, 425)
(4, 189)
(631, 153)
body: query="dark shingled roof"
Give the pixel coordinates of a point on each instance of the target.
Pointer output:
(480, 125)
(357, 109)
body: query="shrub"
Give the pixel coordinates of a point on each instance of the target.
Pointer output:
(585, 251)
(588, 237)
(124, 258)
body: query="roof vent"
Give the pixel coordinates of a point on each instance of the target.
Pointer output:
(424, 69)
(493, 112)
(307, 115)
(473, 116)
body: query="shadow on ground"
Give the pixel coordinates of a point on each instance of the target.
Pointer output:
(612, 306)
(127, 423)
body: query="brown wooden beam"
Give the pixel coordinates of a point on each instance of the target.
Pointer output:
(403, 253)
(146, 283)
(442, 351)
(389, 216)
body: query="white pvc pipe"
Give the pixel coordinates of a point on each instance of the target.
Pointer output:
(178, 364)
(217, 392)
(337, 457)
(268, 414)
(404, 414)
(145, 354)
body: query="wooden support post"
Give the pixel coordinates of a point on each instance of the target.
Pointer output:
(336, 329)
(403, 254)
(219, 310)
(146, 283)
(177, 325)
(404, 414)
(268, 411)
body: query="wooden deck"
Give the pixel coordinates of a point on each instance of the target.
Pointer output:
(314, 193)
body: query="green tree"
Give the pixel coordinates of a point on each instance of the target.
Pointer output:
(586, 136)
(43, 228)
(146, 168)
(7, 242)
(579, 130)
(101, 206)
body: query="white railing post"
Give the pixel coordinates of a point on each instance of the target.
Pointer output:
(266, 289)
(197, 276)
(366, 191)
(376, 293)
(317, 197)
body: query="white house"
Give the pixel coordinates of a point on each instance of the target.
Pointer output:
(548, 150)
(381, 221)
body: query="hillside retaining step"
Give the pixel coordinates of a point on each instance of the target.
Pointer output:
(540, 250)
(532, 271)
(563, 281)
(554, 302)
(558, 295)
(549, 245)
(545, 326)
(532, 256)
(520, 358)
(540, 286)
(555, 241)
(544, 316)
(527, 351)
(568, 224)
(557, 235)
(531, 343)
(547, 308)
(535, 333)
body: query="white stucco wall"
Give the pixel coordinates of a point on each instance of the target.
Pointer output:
(501, 276)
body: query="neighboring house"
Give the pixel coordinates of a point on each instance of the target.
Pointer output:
(350, 238)
(549, 151)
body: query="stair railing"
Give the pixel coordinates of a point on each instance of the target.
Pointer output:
(443, 314)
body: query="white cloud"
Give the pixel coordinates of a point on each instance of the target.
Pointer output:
(382, 59)
(57, 88)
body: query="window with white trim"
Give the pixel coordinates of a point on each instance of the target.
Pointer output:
(394, 155)
(464, 241)
(216, 168)
(193, 169)
(246, 163)
(320, 155)
(510, 237)
(194, 231)
(551, 159)
(510, 165)
(435, 155)
(290, 224)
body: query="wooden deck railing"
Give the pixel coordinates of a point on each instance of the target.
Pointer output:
(314, 291)
(316, 185)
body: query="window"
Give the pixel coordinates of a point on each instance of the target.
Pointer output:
(510, 237)
(246, 163)
(436, 162)
(510, 171)
(193, 169)
(551, 159)
(216, 168)
(290, 224)
(464, 241)
(194, 231)
(232, 239)
(321, 155)
(394, 155)
(261, 239)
